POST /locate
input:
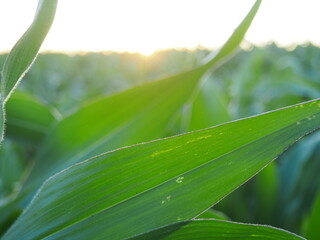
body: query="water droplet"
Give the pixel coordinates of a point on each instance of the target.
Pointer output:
(163, 201)
(168, 198)
(298, 123)
(179, 179)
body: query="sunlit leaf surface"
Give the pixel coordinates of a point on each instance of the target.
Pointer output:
(24, 52)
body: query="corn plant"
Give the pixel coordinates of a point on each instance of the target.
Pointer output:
(98, 173)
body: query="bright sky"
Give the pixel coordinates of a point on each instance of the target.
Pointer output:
(148, 25)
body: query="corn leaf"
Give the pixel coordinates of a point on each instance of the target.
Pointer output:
(2, 120)
(136, 115)
(213, 229)
(28, 119)
(207, 109)
(313, 221)
(11, 169)
(299, 176)
(174, 179)
(266, 188)
(213, 214)
(24, 53)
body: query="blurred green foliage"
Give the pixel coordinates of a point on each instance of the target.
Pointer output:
(64, 81)
(252, 82)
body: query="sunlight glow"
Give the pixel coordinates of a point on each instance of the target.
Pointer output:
(147, 26)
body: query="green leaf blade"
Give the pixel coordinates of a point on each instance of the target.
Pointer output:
(26, 49)
(236, 38)
(28, 119)
(174, 179)
(313, 221)
(214, 229)
(136, 115)
(207, 109)
(2, 121)
(24, 53)
(213, 214)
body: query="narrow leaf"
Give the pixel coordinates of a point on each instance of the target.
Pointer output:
(2, 120)
(214, 229)
(26, 49)
(236, 38)
(266, 189)
(207, 109)
(28, 119)
(213, 214)
(24, 53)
(312, 231)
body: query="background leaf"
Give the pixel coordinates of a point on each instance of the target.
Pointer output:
(208, 108)
(266, 187)
(313, 221)
(28, 120)
(213, 214)
(11, 170)
(2, 120)
(299, 181)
